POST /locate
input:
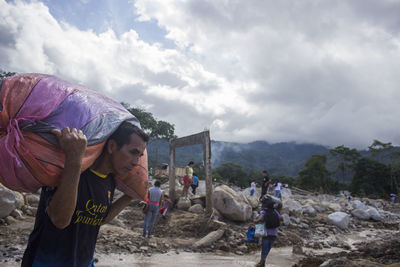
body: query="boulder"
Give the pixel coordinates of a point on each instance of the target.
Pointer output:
(309, 210)
(17, 214)
(20, 202)
(293, 207)
(251, 200)
(286, 219)
(8, 201)
(197, 208)
(230, 204)
(10, 220)
(209, 239)
(183, 204)
(340, 219)
(319, 208)
(33, 199)
(215, 215)
(286, 193)
(360, 214)
(332, 206)
(374, 214)
(357, 204)
(199, 200)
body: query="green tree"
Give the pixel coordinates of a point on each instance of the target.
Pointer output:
(347, 159)
(156, 129)
(232, 173)
(386, 153)
(4, 74)
(315, 175)
(371, 178)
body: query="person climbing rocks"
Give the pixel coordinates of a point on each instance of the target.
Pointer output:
(265, 184)
(252, 188)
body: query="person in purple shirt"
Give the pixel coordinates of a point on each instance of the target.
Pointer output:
(267, 241)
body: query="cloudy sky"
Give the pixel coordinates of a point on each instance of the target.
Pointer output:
(325, 72)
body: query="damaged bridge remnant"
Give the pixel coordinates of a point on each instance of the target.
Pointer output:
(191, 140)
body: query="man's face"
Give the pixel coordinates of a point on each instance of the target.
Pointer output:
(125, 158)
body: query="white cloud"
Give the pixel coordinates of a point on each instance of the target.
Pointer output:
(309, 71)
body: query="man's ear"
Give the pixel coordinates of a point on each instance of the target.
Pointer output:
(111, 146)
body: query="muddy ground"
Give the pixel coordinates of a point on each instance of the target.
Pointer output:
(177, 233)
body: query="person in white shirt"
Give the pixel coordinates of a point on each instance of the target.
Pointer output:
(253, 188)
(278, 190)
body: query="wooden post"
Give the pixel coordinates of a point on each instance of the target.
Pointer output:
(207, 166)
(172, 173)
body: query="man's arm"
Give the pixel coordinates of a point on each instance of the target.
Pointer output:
(117, 207)
(62, 206)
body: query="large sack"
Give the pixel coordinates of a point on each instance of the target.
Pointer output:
(33, 104)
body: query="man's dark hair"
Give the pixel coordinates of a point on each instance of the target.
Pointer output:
(157, 184)
(123, 133)
(190, 163)
(264, 171)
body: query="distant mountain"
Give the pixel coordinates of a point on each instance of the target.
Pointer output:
(278, 159)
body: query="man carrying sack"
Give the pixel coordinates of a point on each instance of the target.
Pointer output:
(69, 216)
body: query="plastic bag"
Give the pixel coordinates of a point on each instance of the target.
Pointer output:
(33, 104)
(260, 230)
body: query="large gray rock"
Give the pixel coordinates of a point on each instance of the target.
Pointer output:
(19, 203)
(332, 206)
(230, 204)
(251, 200)
(197, 208)
(293, 207)
(357, 204)
(374, 214)
(309, 210)
(286, 193)
(209, 239)
(183, 204)
(8, 201)
(286, 219)
(360, 214)
(340, 219)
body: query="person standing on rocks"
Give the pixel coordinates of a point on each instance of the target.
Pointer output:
(195, 183)
(156, 196)
(271, 219)
(393, 197)
(69, 216)
(278, 190)
(187, 180)
(265, 184)
(252, 188)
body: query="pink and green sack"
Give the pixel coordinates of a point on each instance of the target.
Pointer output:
(33, 104)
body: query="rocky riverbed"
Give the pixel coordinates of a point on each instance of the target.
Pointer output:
(365, 232)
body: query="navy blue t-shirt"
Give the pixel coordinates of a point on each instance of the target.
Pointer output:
(75, 244)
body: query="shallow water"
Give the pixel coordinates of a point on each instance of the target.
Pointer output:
(278, 257)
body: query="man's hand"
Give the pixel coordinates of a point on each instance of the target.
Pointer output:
(63, 203)
(72, 141)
